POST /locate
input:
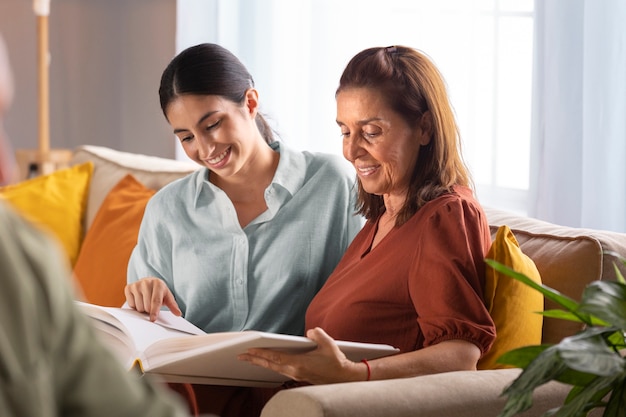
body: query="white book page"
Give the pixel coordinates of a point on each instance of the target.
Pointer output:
(138, 327)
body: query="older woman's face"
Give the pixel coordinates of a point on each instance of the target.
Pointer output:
(380, 144)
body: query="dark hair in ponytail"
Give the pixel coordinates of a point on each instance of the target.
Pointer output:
(209, 69)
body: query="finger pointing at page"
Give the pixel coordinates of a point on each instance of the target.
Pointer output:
(148, 295)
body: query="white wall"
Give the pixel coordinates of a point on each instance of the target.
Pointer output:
(106, 61)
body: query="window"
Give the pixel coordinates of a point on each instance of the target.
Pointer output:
(296, 52)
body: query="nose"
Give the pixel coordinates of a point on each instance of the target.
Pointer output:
(205, 146)
(351, 147)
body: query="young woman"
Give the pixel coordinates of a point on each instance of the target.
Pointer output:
(249, 239)
(246, 241)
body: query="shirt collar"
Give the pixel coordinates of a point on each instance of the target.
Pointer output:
(289, 175)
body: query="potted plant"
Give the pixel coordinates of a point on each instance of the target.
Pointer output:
(592, 361)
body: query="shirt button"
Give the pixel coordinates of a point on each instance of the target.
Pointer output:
(239, 282)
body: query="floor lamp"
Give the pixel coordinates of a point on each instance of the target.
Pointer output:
(43, 160)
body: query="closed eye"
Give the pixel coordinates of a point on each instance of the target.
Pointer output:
(214, 125)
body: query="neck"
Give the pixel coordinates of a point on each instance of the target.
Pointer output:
(254, 178)
(393, 204)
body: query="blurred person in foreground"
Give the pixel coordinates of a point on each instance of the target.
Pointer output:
(50, 361)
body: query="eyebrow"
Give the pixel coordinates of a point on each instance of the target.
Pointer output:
(362, 122)
(202, 119)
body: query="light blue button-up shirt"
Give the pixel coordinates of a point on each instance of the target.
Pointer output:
(263, 276)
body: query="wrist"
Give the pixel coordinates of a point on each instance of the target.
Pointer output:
(368, 369)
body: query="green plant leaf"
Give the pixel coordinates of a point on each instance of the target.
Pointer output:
(588, 352)
(597, 399)
(561, 314)
(521, 357)
(578, 317)
(579, 404)
(547, 366)
(616, 340)
(606, 300)
(590, 361)
(575, 378)
(618, 273)
(616, 407)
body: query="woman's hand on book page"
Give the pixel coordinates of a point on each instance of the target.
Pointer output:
(148, 295)
(324, 365)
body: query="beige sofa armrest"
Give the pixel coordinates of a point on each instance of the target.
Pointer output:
(453, 394)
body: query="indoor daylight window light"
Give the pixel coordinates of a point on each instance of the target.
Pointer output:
(484, 49)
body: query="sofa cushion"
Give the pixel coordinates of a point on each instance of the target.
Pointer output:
(56, 203)
(111, 165)
(567, 258)
(103, 258)
(448, 394)
(513, 305)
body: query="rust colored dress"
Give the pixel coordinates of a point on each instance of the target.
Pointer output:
(421, 285)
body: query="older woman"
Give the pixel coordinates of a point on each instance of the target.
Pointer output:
(413, 277)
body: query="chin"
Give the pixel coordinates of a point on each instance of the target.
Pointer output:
(373, 192)
(372, 189)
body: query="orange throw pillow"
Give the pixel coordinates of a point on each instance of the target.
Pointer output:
(103, 259)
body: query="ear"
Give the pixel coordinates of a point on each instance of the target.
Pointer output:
(426, 128)
(251, 102)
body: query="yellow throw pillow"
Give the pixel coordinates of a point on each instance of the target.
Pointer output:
(55, 202)
(514, 306)
(103, 259)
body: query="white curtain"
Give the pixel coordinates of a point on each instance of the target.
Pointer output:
(578, 152)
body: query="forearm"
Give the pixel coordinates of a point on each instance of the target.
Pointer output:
(327, 364)
(453, 355)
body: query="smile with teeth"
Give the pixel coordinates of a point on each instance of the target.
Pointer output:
(365, 171)
(219, 157)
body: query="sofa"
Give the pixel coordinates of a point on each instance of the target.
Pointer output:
(566, 258)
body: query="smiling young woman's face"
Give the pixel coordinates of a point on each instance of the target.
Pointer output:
(214, 131)
(378, 141)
